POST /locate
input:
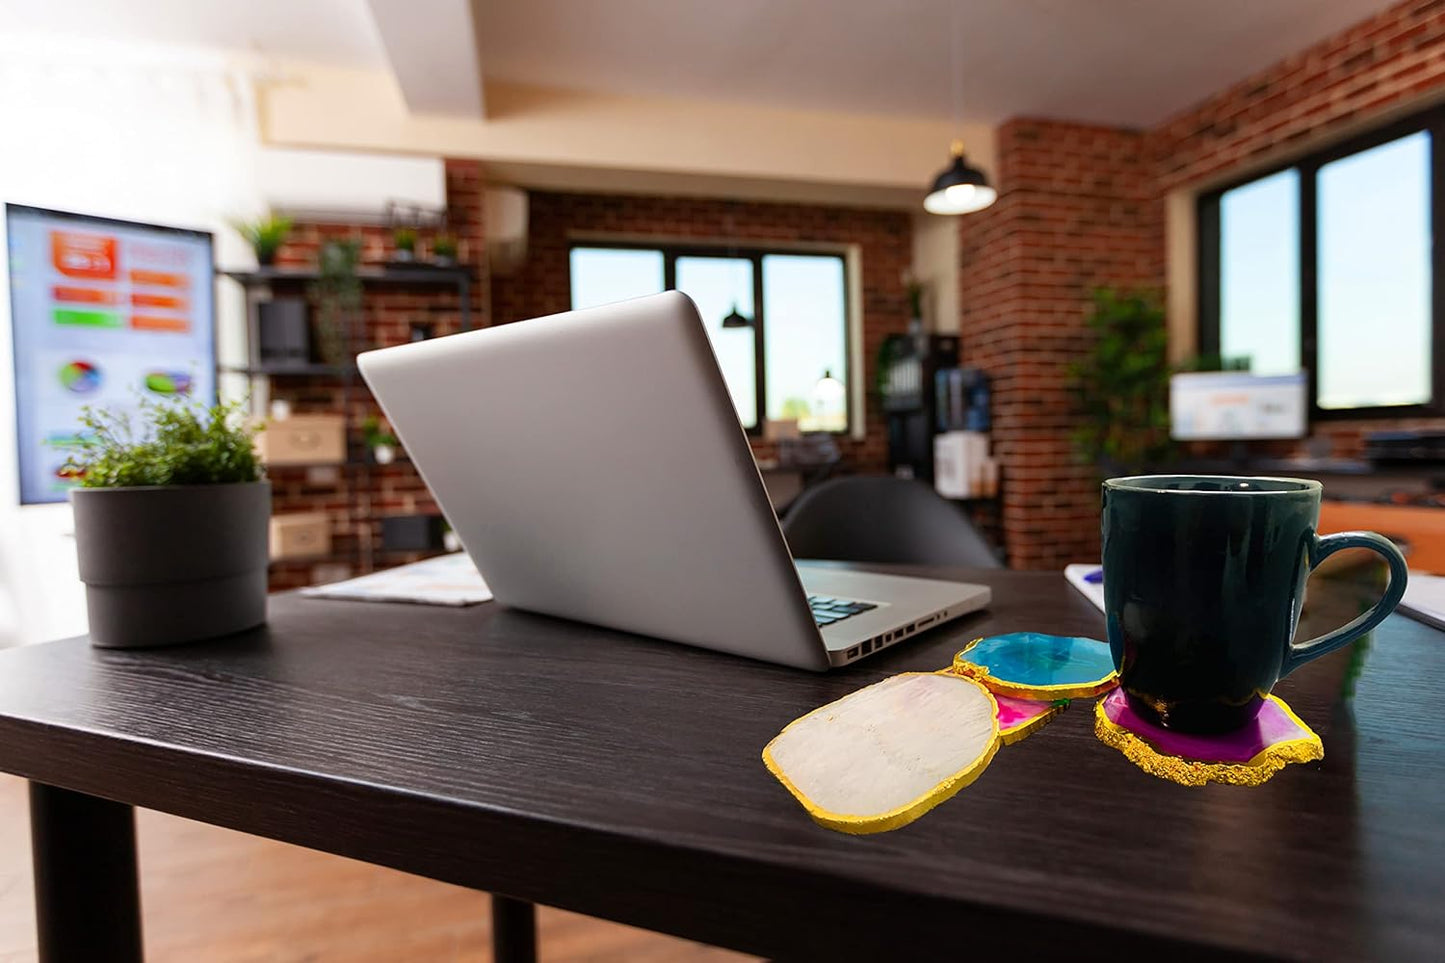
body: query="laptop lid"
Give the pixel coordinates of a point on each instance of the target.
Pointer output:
(593, 466)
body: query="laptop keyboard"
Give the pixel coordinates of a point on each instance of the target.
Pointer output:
(827, 610)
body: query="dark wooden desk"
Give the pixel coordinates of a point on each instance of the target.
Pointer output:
(620, 777)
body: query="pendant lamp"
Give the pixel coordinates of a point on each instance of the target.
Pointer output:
(960, 188)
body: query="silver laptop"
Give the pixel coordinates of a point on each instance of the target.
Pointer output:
(594, 467)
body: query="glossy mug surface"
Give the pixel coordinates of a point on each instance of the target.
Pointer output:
(1204, 577)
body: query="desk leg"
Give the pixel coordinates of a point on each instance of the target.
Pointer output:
(87, 893)
(514, 930)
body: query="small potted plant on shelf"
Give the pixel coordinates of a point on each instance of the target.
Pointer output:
(170, 523)
(403, 239)
(444, 250)
(265, 235)
(380, 442)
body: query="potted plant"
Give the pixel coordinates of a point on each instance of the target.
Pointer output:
(403, 239)
(1123, 384)
(381, 443)
(170, 523)
(444, 249)
(265, 235)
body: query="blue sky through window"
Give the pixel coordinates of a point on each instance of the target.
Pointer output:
(1373, 275)
(1374, 328)
(805, 329)
(1259, 309)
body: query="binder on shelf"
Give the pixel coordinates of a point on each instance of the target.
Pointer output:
(961, 398)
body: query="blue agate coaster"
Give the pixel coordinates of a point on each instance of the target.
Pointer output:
(1032, 665)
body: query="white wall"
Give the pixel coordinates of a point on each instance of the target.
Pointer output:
(935, 265)
(158, 135)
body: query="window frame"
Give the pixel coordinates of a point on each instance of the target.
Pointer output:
(754, 253)
(1207, 266)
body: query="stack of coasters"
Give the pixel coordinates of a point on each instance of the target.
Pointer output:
(879, 758)
(1033, 675)
(1244, 757)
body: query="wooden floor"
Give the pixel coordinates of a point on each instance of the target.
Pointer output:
(209, 894)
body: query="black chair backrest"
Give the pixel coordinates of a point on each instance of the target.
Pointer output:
(883, 519)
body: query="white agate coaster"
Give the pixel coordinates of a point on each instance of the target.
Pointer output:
(879, 758)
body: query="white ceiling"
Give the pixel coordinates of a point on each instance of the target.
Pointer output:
(334, 32)
(1130, 62)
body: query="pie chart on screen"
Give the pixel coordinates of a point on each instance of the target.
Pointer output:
(168, 382)
(80, 377)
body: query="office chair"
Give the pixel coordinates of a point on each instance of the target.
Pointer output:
(883, 519)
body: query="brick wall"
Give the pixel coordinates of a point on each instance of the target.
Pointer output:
(355, 496)
(1389, 64)
(1081, 206)
(1385, 63)
(1076, 210)
(542, 285)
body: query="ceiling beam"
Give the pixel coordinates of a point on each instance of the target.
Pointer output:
(574, 140)
(432, 47)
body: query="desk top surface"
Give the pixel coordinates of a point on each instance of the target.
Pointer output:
(620, 777)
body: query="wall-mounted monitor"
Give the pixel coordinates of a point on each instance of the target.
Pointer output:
(105, 313)
(1238, 406)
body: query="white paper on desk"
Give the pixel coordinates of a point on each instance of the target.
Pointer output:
(1093, 591)
(1424, 599)
(444, 580)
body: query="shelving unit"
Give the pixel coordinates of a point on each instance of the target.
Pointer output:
(355, 536)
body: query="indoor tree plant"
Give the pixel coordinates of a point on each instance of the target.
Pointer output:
(265, 235)
(170, 523)
(337, 293)
(1123, 383)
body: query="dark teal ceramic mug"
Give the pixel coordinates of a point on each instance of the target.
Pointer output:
(1203, 581)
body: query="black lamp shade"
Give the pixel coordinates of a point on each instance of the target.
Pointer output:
(959, 189)
(735, 319)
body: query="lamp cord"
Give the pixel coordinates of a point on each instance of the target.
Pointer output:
(956, 62)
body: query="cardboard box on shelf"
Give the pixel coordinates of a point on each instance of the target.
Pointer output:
(962, 467)
(300, 535)
(303, 440)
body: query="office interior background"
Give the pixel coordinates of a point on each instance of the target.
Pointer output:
(1267, 173)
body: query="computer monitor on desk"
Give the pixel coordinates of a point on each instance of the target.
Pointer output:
(1237, 406)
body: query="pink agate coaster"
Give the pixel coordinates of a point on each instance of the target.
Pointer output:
(1020, 718)
(1246, 757)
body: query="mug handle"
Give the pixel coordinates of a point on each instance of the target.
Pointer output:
(1321, 548)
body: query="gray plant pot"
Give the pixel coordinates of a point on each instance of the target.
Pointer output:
(163, 565)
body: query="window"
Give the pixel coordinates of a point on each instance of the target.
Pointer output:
(785, 353)
(1328, 266)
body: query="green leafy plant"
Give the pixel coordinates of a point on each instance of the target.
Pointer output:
(444, 247)
(915, 299)
(373, 434)
(404, 239)
(265, 235)
(337, 293)
(171, 442)
(1123, 383)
